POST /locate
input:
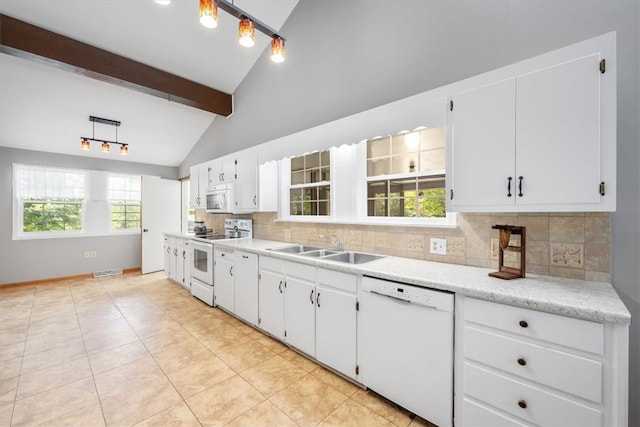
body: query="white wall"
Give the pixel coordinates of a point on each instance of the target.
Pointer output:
(24, 260)
(346, 56)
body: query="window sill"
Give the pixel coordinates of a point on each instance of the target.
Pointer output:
(74, 235)
(450, 222)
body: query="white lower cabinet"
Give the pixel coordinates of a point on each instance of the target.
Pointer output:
(271, 296)
(246, 286)
(223, 280)
(177, 260)
(299, 307)
(517, 366)
(336, 321)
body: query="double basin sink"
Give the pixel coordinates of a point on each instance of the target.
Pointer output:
(348, 257)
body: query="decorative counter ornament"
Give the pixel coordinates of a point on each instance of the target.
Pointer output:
(506, 231)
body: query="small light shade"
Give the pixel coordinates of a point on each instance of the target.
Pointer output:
(277, 49)
(104, 147)
(85, 145)
(209, 13)
(124, 150)
(246, 32)
(163, 2)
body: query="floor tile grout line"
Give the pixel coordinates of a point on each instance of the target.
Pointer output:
(13, 407)
(93, 377)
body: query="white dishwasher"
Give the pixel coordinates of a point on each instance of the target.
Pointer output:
(406, 347)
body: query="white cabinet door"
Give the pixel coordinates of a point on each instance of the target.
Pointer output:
(194, 186)
(336, 330)
(483, 146)
(299, 314)
(203, 183)
(223, 280)
(188, 260)
(558, 134)
(268, 187)
(167, 257)
(246, 286)
(173, 262)
(246, 181)
(180, 258)
(271, 307)
(222, 170)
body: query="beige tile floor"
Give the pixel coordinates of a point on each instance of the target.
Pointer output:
(140, 350)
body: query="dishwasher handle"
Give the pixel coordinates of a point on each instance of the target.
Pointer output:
(404, 300)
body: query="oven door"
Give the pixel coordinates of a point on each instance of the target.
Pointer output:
(202, 268)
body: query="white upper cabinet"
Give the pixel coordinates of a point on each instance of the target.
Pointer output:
(198, 177)
(483, 128)
(246, 172)
(558, 134)
(222, 170)
(542, 139)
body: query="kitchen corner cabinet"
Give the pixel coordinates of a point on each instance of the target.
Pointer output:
(271, 296)
(516, 366)
(300, 307)
(246, 286)
(541, 141)
(223, 280)
(336, 321)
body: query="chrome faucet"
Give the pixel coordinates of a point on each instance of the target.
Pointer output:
(335, 241)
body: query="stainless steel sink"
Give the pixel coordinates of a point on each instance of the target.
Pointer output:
(353, 257)
(295, 249)
(320, 253)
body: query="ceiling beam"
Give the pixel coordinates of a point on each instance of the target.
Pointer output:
(28, 41)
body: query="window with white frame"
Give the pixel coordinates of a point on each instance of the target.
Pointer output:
(406, 175)
(49, 201)
(310, 185)
(124, 202)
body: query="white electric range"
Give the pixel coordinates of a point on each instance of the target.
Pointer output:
(202, 286)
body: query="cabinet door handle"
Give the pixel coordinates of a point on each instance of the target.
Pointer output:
(168, 250)
(311, 297)
(254, 200)
(522, 404)
(509, 186)
(522, 361)
(520, 178)
(175, 251)
(245, 256)
(280, 286)
(318, 299)
(231, 271)
(523, 324)
(184, 254)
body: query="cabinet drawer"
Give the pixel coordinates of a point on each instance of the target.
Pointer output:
(530, 403)
(338, 280)
(301, 271)
(567, 331)
(173, 240)
(224, 253)
(574, 374)
(474, 414)
(272, 264)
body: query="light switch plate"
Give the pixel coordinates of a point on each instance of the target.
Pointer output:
(438, 246)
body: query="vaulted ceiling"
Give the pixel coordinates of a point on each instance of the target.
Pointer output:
(45, 108)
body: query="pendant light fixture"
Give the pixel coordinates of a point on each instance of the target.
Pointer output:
(104, 146)
(277, 49)
(209, 13)
(246, 28)
(246, 32)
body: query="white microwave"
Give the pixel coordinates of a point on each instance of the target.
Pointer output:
(221, 198)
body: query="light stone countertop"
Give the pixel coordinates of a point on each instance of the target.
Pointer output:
(570, 297)
(179, 234)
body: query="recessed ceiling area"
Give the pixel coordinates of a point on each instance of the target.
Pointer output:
(47, 109)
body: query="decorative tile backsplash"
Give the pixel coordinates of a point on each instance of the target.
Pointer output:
(575, 245)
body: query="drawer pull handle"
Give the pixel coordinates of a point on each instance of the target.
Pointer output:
(523, 323)
(522, 404)
(522, 362)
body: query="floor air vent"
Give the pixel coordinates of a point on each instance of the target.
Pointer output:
(103, 273)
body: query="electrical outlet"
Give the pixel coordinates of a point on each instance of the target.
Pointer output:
(438, 246)
(87, 254)
(93, 254)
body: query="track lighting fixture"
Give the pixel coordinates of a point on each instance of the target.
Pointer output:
(104, 147)
(246, 28)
